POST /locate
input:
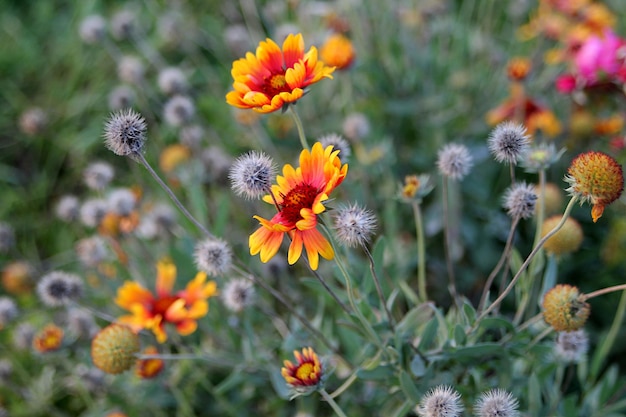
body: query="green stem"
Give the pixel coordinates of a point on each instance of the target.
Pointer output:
(379, 289)
(298, 121)
(332, 403)
(607, 343)
(530, 257)
(447, 242)
(421, 252)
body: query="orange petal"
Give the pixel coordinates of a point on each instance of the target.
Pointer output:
(166, 275)
(596, 211)
(133, 293)
(295, 249)
(186, 327)
(293, 49)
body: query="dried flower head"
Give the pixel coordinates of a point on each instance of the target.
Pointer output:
(92, 29)
(122, 201)
(237, 39)
(338, 142)
(7, 237)
(125, 133)
(123, 24)
(519, 200)
(565, 308)
(238, 294)
(540, 157)
(81, 323)
(356, 126)
(252, 174)
(306, 375)
(454, 161)
(508, 142)
(567, 240)
(596, 178)
(192, 136)
(131, 70)
(213, 256)
(121, 97)
(150, 367)
(33, 121)
(179, 110)
(113, 349)
(48, 339)
(416, 187)
(496, 403)
(571, 346)
(17, 277)
(88, 377)
(98, 175)
(91, 251)
(68, 208)
(23, 336)
(59, 288)
(354, 225)
(441, 401)
(172, 80)
(8, 311)
(93, 211)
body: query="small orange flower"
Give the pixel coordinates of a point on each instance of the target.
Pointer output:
(149, 368)
(565, 308)
(306, 374)
(518, 68)
(299, 195)
(609, 126)
(338, 51)
(17, 277)
(273, 78)
(597, 178)
(48, 339)
(152, 311)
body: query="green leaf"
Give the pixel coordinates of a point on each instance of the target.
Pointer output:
(279, 384)
(429, 333)
(407, 327)
(408, 387)
(470, 312)
(476, 351)
(496, 323)
(418, 366)
(549, 278)
(459, 335)
(515, 262)
(379, 373)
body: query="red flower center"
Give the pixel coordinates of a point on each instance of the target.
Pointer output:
(161, 305)
(302, 196)
(274, 84)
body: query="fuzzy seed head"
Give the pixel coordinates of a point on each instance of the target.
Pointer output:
(441, 401)
(454, 161)
(68, 208)
(58, 288)
(519, 200)
(252, 174)
(91, 251)
(123, 24)
(81, 323)
(565, 308)
(125, 133)
(191, 136)
(8, 311)
(354, 225)
(571, 346)
(93, 211)
(33, 121)
(98, 175)
(130, 70)
(172, 81)
(356, 126)
(23, 335)
(496, 403)
(238, 294)
(113, 349)
(121, 201)
(92, 29)
(338, 142)
(121, 97)
(213, 256)
(508, 142)
(567, 240)
(179, 110)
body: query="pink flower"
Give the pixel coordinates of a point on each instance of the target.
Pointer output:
(599, 57)
(566, 83)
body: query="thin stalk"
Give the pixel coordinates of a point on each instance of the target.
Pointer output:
(332, 403)
(183, 356)
(379, 289)
(298, 121)
(447, 244)
(512, 171)
(609, 340)
(139, 156)
(605, 291)
(421, 252)
(329, 290)
(503, 258)
(530, 257)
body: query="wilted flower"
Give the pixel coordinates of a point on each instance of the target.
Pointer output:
(121, 97)
(93, 211)
(354, 225)
(274, 77)
(565, 308)
(496, 403)
(596, 178)
(454, 161)
(252, 174)
(123, 24)
(125, 133)
(356, 126)
(114, 348)
(23, 335)
(540, 157)
(59, 288)
(33, 121)
(213, 256)
(441, 401)
(121, 201)
(91, 250)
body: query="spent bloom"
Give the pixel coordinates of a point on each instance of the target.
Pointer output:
(496, 403)
(179, 110)
(91, 250)
(356, 126)
(67, 208)
(98, 175)
(338, 142)
(152, 310)
(121, 97)
(92, 211)
(130, 70)
(213, 256)
(123, 24)
(571, 346)
(92, 29)
(121, 201)
(565, 308)
(114, 348)
(454, 161)
(59, 288)
(354, 225)
(519, 200)
(125, 133)
(541, 156)
(238, 294)
(172, 81)
(508, 142)
(596, 178)
(306, 375)
(299, 196)
(441, 401)
(252, 174)
(274, 78)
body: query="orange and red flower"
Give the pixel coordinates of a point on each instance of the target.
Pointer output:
(152, 311)
(306, 373)
(272, 78)
(299, 196)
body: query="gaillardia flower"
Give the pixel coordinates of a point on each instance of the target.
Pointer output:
(273, 78)
(565, 308)
(299, 195)
(306, 374)
(152, 311)
(597, 178)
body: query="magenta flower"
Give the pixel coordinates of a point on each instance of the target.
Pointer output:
(600, 57)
